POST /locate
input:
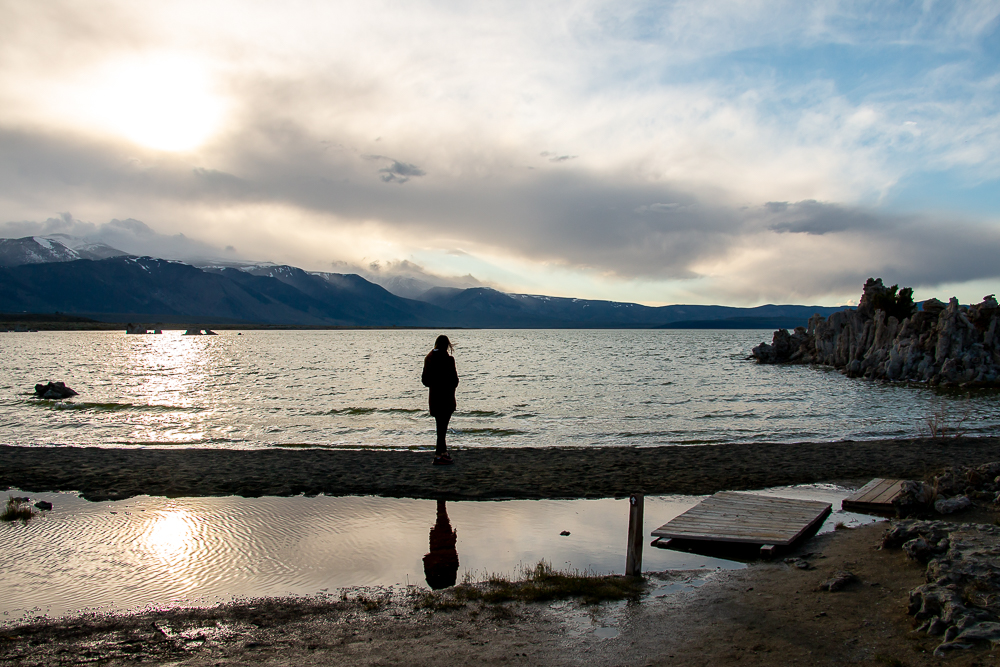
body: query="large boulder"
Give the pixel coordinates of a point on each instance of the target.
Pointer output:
(53, 390)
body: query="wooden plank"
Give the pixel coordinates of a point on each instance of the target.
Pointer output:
(890, 489)
(876, 491)
(866, 490)
(661, 543)
(746, 518)
(875, 497)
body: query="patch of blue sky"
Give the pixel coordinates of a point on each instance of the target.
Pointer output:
(946, 192)
(882, 50)
(856, 73)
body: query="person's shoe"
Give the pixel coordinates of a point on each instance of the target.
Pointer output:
(443, 460)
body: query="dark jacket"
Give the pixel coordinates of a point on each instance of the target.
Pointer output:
(441, 376)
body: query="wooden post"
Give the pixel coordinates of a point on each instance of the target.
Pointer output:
(633, 556)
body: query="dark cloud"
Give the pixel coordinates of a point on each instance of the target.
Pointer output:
(611, 224)
(396, 172)
(399, 172)
(813, 217)
(557, 158)
(659, 208)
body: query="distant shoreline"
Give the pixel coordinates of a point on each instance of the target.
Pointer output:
(479, 473)
(117, 322)
(85, 324)
(61, 322)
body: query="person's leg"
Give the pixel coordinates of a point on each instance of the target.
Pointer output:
(442, 430)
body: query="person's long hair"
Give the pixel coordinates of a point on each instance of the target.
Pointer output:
(443, 344)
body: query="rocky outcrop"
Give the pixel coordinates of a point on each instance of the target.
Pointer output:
(53, 390)
(887, 339)
(953, 490)
(959, 601)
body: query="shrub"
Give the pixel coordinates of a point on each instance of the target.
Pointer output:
(899, 305)
(17, 510)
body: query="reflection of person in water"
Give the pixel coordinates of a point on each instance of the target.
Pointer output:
(441, 564)
(441, 377)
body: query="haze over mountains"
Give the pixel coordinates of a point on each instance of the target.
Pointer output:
(60, 273)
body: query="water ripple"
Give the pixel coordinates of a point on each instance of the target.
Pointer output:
(362, 389)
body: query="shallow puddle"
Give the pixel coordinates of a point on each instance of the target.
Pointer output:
(161, 552)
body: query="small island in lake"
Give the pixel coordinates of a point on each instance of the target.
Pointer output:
(888, 338)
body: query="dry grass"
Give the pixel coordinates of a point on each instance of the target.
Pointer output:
(538, 584)
(942, 423)
(17, 510)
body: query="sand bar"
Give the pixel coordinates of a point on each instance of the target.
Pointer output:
(479, 474)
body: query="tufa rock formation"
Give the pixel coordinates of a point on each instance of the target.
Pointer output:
(952, 490)
(887, 338)
(959, 601)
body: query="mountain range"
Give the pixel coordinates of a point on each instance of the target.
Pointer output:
(61, 274)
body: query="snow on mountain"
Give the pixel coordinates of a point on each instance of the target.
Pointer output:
(34, 250)
(46, 249)
(86, 249)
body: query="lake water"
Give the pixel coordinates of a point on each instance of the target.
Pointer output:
(259, 389)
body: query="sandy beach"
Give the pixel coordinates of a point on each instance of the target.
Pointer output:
(479, 474)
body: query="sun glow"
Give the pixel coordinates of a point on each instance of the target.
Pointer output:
(166, 102)
(170, 536)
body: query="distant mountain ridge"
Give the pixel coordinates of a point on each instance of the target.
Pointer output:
(54, 248)
(47, 275)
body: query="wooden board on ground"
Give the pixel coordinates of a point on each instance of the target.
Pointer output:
(875, 497)
(746, 518)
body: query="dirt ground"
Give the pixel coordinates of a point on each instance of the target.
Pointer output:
(771, 613)
(480, 473)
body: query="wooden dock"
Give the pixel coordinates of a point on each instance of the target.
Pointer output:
(875, 497)
(744, 518)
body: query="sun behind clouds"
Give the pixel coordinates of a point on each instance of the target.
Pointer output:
(165, 102)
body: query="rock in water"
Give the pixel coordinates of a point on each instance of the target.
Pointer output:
(886, 338)
(54, 390)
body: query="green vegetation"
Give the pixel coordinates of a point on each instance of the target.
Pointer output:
(539, 584)
(17, 510)
(895, 305)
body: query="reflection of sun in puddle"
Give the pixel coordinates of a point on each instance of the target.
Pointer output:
(169, 536)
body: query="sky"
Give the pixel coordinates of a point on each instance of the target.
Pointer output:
(736, 153)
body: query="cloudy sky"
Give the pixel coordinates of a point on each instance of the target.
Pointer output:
(739, 153)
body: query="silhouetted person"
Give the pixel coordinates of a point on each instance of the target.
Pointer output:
(441, 564)
(442, 378)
